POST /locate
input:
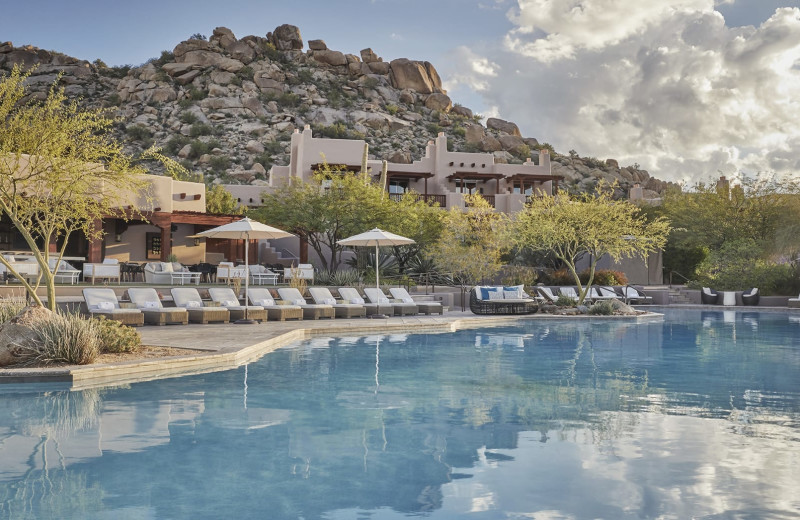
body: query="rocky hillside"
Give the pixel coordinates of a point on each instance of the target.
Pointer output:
(226, 107)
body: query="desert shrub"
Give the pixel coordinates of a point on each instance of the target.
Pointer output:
(523, 151)
(272, 53)
(370, 82)
(433, 128)
(459, 131)
(116, 337)
(114, 100)
(195, 94)
(604, 277)
(175, 144)
(138, 132)
(344, 278)
(559, 277)
(337, 130)
(392, 109)
(565, 301)
(118, 72)
(602, 308)
(199, 148)
(199, 129)
(288, 99)
(198, 36)
(166, 57)
(246, 73)
(188, 118)
(305, 76)
(219, 163)
(185, 103)
(10, 308)
(66, 338)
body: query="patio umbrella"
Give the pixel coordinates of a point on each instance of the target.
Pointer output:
(245, 229)
(376, 237)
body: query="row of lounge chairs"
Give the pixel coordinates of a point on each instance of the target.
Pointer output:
(596, 293)
(145, 305)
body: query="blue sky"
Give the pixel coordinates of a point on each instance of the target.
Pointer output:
(582, 74)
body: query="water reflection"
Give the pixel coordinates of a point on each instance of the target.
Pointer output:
(694, 416)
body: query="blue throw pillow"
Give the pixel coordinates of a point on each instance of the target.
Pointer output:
(486, 290)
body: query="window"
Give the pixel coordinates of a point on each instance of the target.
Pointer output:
(398, 186)
(153, 246)
(467, 186)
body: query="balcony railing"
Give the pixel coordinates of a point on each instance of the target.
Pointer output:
(438, 200)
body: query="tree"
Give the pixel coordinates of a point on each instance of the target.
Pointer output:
(591, 223)
(472, 242)
(333, 205)
(220, 201)
(60, 172)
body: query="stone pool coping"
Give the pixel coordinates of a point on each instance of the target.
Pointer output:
(212, 348)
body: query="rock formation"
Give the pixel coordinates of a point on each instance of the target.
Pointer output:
(225, 107)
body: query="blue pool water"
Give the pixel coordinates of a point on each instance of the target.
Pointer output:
(697, 416)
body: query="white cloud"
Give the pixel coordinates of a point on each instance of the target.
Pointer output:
(665, 84)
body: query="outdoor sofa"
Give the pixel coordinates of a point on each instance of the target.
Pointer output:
(501, 300)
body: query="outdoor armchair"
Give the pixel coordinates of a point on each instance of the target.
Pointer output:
(109, 269)
(750, 297)
(65, 273)
(632, 295)
(709, 296)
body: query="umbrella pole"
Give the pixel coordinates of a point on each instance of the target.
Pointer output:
(246, 280)
(377, 267)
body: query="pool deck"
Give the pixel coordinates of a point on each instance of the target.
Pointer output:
(211, 348)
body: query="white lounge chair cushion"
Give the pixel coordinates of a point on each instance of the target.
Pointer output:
(383, 300)
(329, 301)
(495, 295)
(229, 303)
(151, 305)
(299, 301)
(407, 300)
(357, 301)
(266, 303)
(165, 267)
(193, 304)
(105, 306)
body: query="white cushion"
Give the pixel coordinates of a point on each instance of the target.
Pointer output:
(110, 261)
(329, 301)
(266, 302)
(166, 267)
(230, 303)
(495, 295)
(408, 300)
(511, 295)
(299, 301)
(358, 301)
(151, 305)
(193, 304)
(105, 306)
(383, 300)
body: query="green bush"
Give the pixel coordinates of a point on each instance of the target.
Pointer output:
(185, 103)
(219, 163)
(198, 149)
(519, 275)
(288, 99)
(459, 131)
(305, 76)
(116, 337)
(196, 94)
(337, 130)
(66, 338)
(138, 132)
(199, 129)
(392, 109)
(114, 100)
(10, 308)
(604, 277)
(602, 308)
(175, 144)
(559, 277)
(565, 301)
(433, 128)
(117, 72)
(188, 118)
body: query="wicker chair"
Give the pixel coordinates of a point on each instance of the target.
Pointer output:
(349, 294)
(226, 298)
(103, 302)
(375, 295)
(311, 311)
(709, 296)
(750, 297)
(189, 299)
(147, 300)
(262, 297)
(426, 308)
(480, 305)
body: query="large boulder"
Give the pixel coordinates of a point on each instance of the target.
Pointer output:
(317, 45)
(267, 84)
(462, 111)
(503, 126)
(378, 67)
(286, 38)
(438, 101)
(241, 51)
(190, 45)
(490, 144)
(22, 57)
(211, 59)
(19, 335)
(512, 143)
(474, 134)
(328, 57)
(223, 37)
(415, 75)
(368, 56)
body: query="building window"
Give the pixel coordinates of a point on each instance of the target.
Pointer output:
(467, 186)
(527, 191)
(398, 186)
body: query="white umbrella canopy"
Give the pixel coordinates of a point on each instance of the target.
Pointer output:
(376, 237)
(245, 229)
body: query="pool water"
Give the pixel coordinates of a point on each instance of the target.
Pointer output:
(696, 416)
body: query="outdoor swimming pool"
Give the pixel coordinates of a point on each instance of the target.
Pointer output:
(695, 416)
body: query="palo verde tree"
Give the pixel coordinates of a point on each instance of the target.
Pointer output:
(333, 205)
(471, 242)
(591, 223)
(60, 171)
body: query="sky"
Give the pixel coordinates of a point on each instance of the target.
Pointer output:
(688, 89)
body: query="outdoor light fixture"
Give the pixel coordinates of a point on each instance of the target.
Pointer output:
(118, 237)
(196, 241)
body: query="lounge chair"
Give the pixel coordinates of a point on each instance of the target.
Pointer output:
(547, 294)
(65, 273)
(261, 296)
(633, 296)
(321, 295)
(103, 302)
(608, 292)
(569, 292)
(750, 297)
(426, 308)
(146, 300)
(375, 295)
(794, 302)
(596, 295)
(351, 295)
(226, 298)
(709, 296)
(311, 311)
(188, 298)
